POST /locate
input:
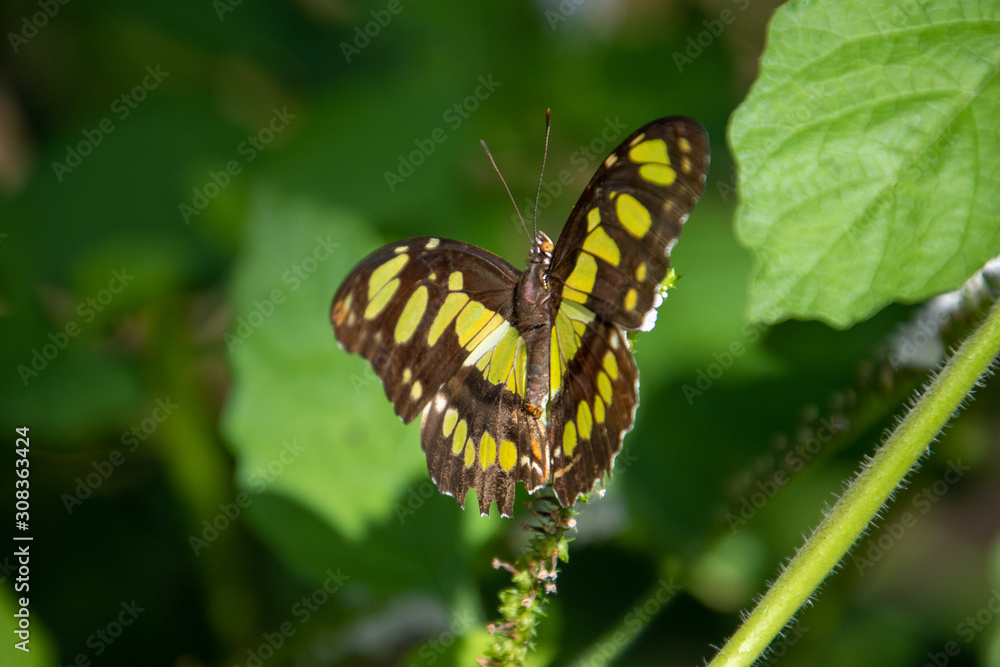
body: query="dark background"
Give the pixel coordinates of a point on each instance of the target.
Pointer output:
(246, 132)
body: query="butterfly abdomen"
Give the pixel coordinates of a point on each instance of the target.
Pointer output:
(534, 320)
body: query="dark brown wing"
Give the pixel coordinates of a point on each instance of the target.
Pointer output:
(595, 404)
(605, 278)
(475, 434)
(615, 249)
(417, 308)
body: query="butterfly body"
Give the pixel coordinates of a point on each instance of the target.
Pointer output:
(529, 376)
(533, 315)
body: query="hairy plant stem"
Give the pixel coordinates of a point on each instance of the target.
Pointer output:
(522, 605)
(870, 490)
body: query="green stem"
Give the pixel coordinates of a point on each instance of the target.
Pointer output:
(534, 579)
(861, 503)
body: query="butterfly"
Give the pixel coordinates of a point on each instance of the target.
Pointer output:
(528, 376)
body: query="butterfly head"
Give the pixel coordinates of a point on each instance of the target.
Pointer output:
(541, 249)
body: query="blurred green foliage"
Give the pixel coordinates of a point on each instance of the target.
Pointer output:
(185, 184)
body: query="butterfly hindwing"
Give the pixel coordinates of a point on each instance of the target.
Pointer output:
(615, 249)
(594, 407)
(475, 434)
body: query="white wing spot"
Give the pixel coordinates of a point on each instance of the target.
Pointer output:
(400, 249)
(668, 247)
(649, 321)
(433, 243)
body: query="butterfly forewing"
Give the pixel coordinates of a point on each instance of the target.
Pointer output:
(615, 249)
(417, 309)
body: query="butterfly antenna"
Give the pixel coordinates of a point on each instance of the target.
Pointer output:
(545, 154)
(497, 169)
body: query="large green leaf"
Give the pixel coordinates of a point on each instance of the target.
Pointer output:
(307, 420)
(320, 451)
(869, 154)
